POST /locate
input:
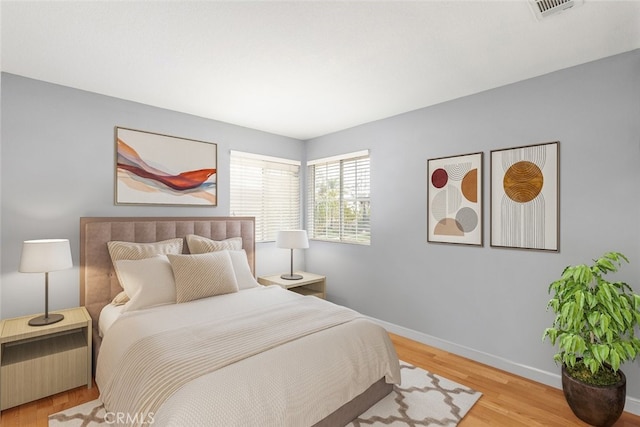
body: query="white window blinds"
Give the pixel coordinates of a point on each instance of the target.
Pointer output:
(267, 188)
(339, 198)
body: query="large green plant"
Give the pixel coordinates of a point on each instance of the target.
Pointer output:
(595, 319)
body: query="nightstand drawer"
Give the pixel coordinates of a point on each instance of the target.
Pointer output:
(42, 367)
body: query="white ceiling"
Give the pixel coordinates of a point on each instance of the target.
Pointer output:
(303, 68)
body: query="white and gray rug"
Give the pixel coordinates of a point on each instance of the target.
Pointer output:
(422, 399)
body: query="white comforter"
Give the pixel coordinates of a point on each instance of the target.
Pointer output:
(205, 363)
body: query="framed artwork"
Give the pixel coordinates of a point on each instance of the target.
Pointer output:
(155, 169)
(525, 197)
(454, 199)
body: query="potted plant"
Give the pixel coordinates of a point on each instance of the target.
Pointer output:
(594, 329)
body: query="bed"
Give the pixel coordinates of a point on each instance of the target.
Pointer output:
(254, 355)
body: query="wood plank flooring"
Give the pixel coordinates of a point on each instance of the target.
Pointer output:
(508, 400)
(36, 414)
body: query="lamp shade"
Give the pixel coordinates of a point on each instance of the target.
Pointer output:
(292, 239)
(43, 256)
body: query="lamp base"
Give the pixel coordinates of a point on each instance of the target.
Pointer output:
(43, 321)
(291, 277)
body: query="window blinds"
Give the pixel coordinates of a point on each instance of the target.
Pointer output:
(267, 188)
(339, 198)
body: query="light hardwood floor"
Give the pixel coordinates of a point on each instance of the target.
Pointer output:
(507, 400)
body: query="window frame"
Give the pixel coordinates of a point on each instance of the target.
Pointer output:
(344, 235)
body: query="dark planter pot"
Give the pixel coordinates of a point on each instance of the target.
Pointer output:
(599, 406)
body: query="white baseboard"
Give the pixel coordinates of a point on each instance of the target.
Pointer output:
(632, 405)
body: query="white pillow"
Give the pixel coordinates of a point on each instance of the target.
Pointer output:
(131, 251)
(199, 245)
(148, 282)
(203, 275)
(241, 268)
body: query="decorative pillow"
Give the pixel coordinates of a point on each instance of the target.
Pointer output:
(131, 251)
(199, 245)
(148, 282)
(203, 275)
(241, 268)
(120, 299)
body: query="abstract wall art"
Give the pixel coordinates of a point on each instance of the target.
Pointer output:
(525, 197)
(454, 199)
(155, 169)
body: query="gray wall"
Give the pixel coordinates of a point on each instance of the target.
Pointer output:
(490, 303)
(0, 194)
(58, 153)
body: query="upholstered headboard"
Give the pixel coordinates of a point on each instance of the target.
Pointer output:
(98, 281)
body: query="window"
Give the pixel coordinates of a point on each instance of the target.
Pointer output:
(267, 188)
(339, 198)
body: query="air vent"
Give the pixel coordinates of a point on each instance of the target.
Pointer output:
(545, 8)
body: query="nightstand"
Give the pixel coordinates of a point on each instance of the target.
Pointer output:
(38, 361)
(310, 284)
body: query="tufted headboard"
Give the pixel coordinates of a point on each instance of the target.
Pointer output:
(98, 281)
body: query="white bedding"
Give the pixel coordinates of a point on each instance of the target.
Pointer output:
(108, 315)
(297, 382)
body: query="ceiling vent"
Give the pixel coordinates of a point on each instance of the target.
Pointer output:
(545, 8)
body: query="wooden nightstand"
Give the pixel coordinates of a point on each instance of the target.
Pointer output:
(38, 361)
(310, 284)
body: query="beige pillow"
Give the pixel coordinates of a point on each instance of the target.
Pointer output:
(129, 250)
(120, 299)
(203, 275)
(199, 245)
(132, 251)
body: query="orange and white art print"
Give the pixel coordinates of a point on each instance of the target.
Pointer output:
(156, 169)
(525, 197)
(454, 199)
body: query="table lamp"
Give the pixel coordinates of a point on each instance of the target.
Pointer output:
(292, 239)
(43, 256)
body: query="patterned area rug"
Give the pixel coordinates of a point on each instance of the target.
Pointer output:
(423, 399)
